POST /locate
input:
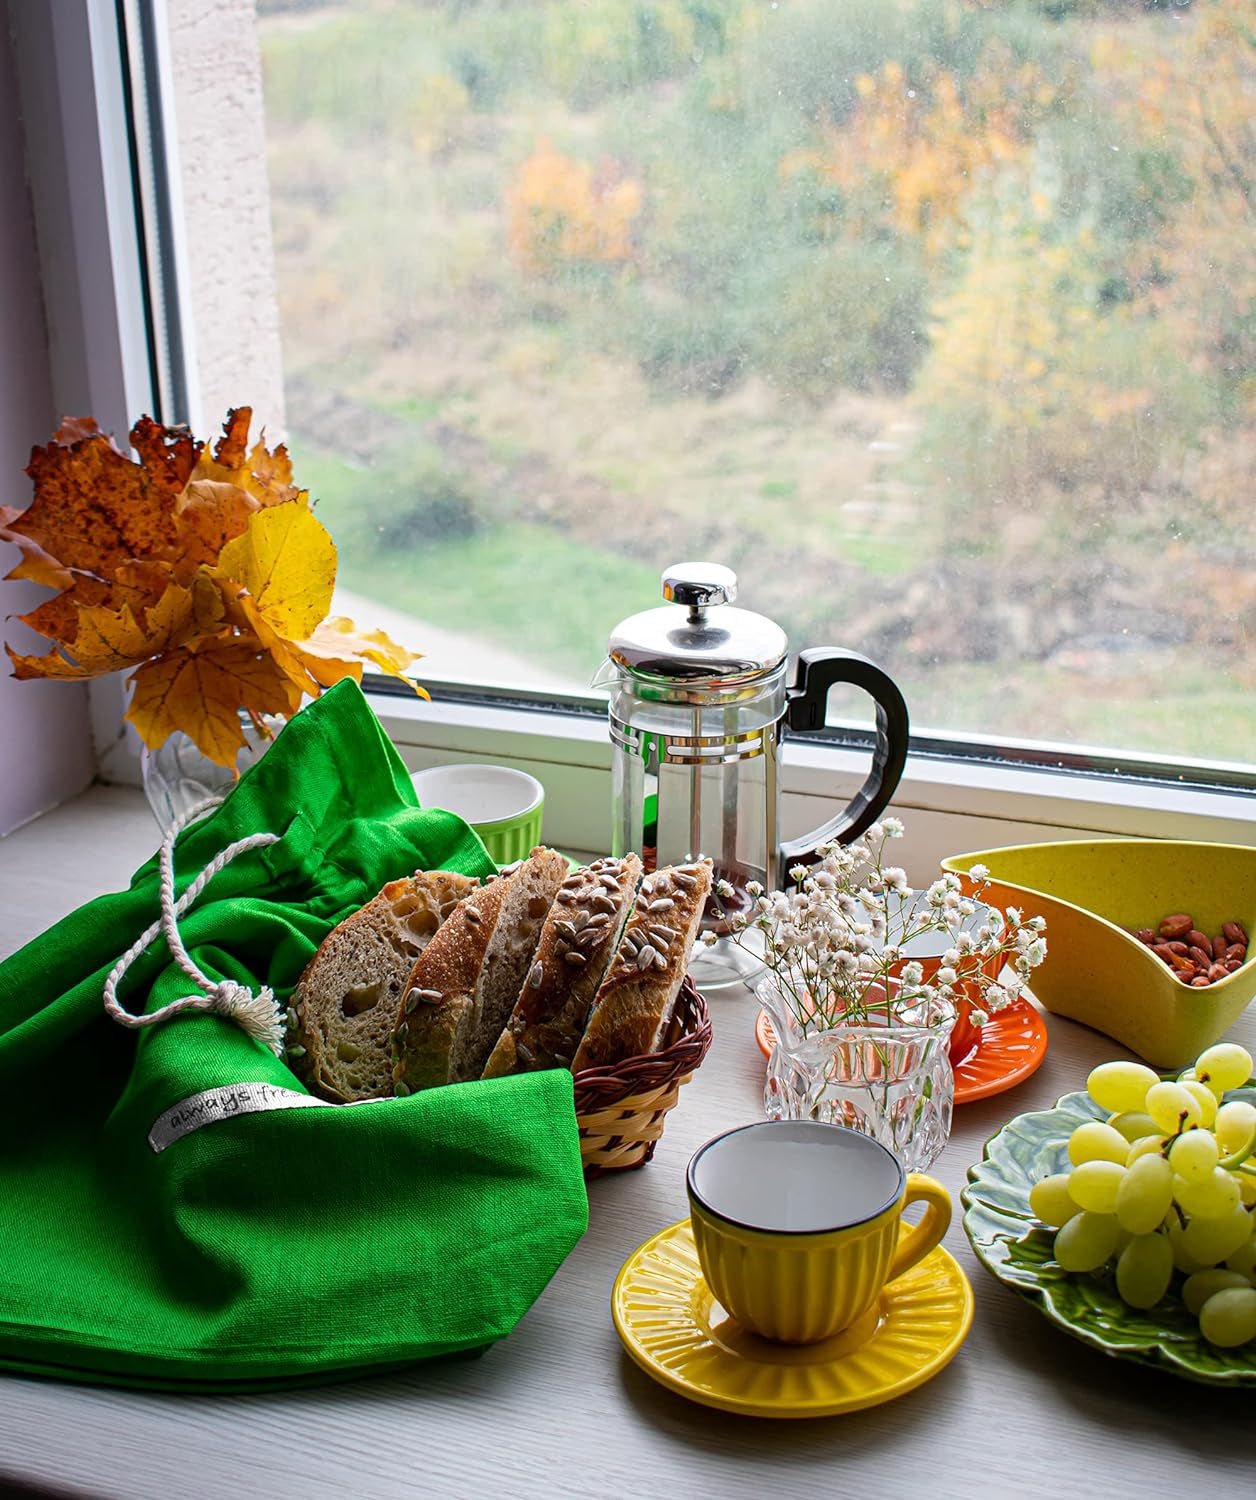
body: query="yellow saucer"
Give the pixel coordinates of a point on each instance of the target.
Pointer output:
(675, 1330)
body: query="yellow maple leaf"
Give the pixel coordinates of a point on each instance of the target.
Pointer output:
(200, 689)
(286, 561)
(338, 636)
(108, 639)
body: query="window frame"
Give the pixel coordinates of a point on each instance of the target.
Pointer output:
(110, 277)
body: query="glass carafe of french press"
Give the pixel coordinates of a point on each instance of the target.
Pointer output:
(698, 705)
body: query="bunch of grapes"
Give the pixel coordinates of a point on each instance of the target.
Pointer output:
(1165, 1185)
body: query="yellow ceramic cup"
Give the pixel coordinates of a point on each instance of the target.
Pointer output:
(797, 1225)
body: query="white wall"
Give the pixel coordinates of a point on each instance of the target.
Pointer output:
(45, 741)
(217, 71)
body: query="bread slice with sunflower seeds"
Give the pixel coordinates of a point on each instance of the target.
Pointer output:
(634, 1003)
(577, 943)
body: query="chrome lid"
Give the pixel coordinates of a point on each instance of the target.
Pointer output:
(683, 642)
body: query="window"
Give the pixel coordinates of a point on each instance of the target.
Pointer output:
(935, 325)
(935, 319)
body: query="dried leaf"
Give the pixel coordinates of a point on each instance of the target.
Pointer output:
(75, 429)
(286, 560)
(200, 689)
(266, 476)
(211, 513)
(338, 637)
(106, 640)
(95, 508)
(36, 564)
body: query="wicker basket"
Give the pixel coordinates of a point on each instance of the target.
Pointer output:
(620, 1109)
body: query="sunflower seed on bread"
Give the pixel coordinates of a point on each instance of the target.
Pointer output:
(633, 1004)
(577, 944)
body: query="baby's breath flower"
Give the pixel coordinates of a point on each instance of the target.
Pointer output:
(978, 1017)
(836, 937)
(979, 872)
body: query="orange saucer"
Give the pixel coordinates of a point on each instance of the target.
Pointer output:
(1010, 1046)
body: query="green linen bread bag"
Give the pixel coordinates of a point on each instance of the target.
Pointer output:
(175, 1209)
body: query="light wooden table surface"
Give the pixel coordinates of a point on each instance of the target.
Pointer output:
(558, 1409)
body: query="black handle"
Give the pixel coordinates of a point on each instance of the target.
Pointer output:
(819, 668)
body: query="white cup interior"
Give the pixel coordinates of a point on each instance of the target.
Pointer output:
(795, 1177)
(483, 795)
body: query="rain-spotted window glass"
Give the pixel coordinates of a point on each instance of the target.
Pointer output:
(934, 319)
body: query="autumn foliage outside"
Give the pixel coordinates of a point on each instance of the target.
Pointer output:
(935, 319)
(204, 571)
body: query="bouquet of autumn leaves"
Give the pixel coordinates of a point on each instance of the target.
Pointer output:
(207, 573)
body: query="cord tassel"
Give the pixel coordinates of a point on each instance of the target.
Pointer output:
(257, 1014)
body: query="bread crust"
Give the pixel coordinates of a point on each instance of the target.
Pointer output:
(461, 990)
(587, 921)
(439, 994)
(634, 1002)
(344, 1003)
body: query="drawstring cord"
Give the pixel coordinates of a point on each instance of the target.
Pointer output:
(257, 1014)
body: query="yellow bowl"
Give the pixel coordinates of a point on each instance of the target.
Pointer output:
(1094, 894)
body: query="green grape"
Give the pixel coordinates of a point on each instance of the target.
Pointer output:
(1134, 1124)
(1225, 1066)
(1172, 1107)
(1213, 1198)
(1087, 1241)
(1146, 1146)
(1234, 1125)
(1247, 1189)
(1094, 1185)
(1244, 1259)
(1197, 1289)
(1183, 1260)
(1228, 1318)
(1144, 1270)
(1120, 1085)
(1194, 1155)
(1095, 1141)
(1205, 1098)
(1144, 1195)
(1049, 1200)
(1211, 1240)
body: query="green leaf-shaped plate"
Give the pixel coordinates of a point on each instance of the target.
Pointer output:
(1015, 1248)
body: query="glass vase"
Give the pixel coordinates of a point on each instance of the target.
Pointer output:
(178, 774)
(889, 1077)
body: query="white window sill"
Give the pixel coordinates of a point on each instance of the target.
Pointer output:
(948, 805)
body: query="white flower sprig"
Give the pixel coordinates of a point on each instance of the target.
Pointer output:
(835, 944)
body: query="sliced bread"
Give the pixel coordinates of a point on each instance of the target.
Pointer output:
(634, 1003)
(464, 984)
(578, 941)
(345, 1001)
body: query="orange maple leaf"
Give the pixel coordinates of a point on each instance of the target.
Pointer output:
(200, 689)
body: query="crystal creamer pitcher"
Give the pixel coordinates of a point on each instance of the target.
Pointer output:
(699, 703)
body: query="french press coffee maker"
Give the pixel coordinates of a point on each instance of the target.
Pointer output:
(699, 703)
